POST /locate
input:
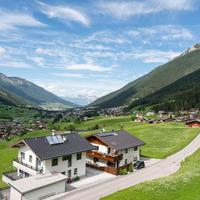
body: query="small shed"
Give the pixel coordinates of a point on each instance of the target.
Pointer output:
(38, 187)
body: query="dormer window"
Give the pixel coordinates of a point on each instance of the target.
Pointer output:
(126, 150)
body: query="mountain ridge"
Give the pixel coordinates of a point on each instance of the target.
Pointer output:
(183, 94)
(19, 91)
(155, 80)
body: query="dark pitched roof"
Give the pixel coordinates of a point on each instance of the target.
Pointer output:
(74, 144)
(192, 121)
(119, 140)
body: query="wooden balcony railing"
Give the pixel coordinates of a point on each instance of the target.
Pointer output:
(113, 158)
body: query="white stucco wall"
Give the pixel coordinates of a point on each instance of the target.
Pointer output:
(47, 165)
(102, 148)
(129, 156)
(28, 152)
(40, 193)
(14, 194)
(63, 165)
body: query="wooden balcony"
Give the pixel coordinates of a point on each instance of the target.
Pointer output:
(113, 158)
(108, 169)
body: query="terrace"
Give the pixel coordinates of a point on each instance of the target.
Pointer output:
(113, 158)
(27, 168)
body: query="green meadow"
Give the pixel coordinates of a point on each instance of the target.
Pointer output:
(161, 140)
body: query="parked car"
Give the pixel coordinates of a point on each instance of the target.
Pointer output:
(139, 165)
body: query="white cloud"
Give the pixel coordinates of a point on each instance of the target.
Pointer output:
(152, 56)
(38, 60)
(163, 32)
(16, 64)
(125, 9)
(43, 51)
(88, 67)
(68, 75)
(87, 90)
(13, 20)
(64, 13)
(2, 51)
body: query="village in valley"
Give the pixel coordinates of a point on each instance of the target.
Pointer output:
(99, 100)
(66, 161)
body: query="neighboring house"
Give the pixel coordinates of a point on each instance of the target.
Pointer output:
(65, 154)
(38, 187)
(193, 123)
(115, 150)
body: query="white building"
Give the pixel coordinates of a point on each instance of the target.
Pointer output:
(38, 187)
(115, 150)
(65, 154)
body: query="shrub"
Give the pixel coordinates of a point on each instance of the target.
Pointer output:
(133, 117)
(130, 168)
(95, 127)
(123, 171)
(77, 178)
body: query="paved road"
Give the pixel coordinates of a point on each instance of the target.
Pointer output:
(162, 168)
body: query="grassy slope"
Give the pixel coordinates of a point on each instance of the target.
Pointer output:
(184, 185)
(184, 91)
(162, 139)
(153, 81)
(13, 112)
(7, 154)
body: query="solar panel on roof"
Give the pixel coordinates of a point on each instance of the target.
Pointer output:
(60, 139)
(54, 138)
(106, 134)
(49, 139)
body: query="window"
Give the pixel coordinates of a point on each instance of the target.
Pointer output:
(135, 148)
(135, 158)
(65, 158)
(125, 161)
(69, 173)
(63, 173)
(54, 162)
(78, 156)
(69, 158)
(126, 150)
(97, 147)
(95, 160)
(22, 155)
(30, 158)
(75, 171)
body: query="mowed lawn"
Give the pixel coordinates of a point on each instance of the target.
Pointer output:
(183, 185)
(163, 139)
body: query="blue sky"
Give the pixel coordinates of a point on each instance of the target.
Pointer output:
(89, 48)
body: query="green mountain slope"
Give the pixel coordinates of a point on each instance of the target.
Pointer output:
(158, 78)
(18, 91)
(183, 94)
